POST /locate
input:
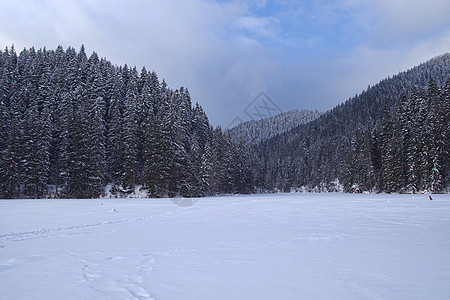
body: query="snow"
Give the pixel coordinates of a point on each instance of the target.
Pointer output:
(280, 246)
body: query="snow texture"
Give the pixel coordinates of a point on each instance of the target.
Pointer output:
(280, 246)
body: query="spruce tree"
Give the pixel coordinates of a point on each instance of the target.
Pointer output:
(96, 143)
(130, 169)
(44, 136)
(411, 134)
(438, 142)
(192, 181)
(424, 142)
(387, 153)
(79, 173)
(153, 157)
(63, 143)
(30, 147)
(11, 157)
(114, 143)
(206, 168)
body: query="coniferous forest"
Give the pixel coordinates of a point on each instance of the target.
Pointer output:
(409, 150)
(70, 125)
(393, 137)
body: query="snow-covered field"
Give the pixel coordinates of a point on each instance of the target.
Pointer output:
(282, 246)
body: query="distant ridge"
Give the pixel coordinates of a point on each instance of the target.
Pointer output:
(256, 131)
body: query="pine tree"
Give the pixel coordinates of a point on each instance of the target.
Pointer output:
(87, 162)
(438, 142)
(192, 182)
(446, 130)
(130, 171)
(388, 153)
(217, 175)
(44, 135)
(4, 151)
(412, 142)
(96, 142)
(170, 156)
(10, 157)
(114, 143)
(206, 167)
(29, 149)
(424, 139)
(63, 142)
(154, 158)
(200, 125)
(144, 106)
(228, 181)
(78, 177)
(360, 167)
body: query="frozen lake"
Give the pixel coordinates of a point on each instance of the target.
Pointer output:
(282, 246)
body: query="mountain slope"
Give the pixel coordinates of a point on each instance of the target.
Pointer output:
(314, 154)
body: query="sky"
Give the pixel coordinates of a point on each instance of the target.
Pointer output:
(243, 59)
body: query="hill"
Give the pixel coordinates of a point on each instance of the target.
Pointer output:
(316, 154)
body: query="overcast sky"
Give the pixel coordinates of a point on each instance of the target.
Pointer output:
(302, 54)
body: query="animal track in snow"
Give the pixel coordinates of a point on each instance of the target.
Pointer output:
(116, 276)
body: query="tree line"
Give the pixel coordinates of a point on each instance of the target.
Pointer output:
(71, 124)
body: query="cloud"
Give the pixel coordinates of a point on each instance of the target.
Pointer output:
(405, 19)
(398, 36)
(265, 27)
(43, 24)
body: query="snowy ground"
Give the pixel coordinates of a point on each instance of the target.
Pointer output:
(284, 246)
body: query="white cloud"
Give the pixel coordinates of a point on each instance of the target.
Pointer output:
(410, 17)
(264, 27)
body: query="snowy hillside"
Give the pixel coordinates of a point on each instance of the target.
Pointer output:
(253, 132)
(281, 246)
(393, 137)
